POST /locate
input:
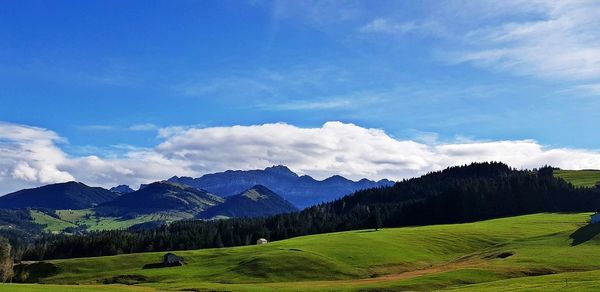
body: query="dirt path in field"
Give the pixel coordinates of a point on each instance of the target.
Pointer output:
(452, 266)
(421, 272)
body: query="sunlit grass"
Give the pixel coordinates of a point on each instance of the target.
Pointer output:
(411, 258)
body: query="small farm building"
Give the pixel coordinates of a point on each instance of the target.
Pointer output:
(261, 241)
(170, 259)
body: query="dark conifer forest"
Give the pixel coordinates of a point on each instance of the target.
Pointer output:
(457, 194)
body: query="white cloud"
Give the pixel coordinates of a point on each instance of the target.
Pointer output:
(31, 156)
(555, 40)
(266, 84)
(97, 127)
(143, 127)
(390, 26)
(587, 89)
(559, 39)
(309, 105)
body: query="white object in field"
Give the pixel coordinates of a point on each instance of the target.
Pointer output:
(261, 241)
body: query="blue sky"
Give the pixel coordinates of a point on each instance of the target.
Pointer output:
(111, 77)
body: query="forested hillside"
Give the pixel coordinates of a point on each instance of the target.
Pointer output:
(457, 194)
(257, 201)
(157, 197)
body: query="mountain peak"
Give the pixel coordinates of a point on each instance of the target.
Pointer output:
(256, 201)
(337, 178)
(257, 192)
(121, 189)
(280, 169)
(385, 181)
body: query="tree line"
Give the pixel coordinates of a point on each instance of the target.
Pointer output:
(457, 194)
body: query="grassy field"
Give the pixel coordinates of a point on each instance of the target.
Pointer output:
(584, 178)
(52, 224)
(488, 255)
(87, 218)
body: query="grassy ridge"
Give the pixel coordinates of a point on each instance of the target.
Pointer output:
(414, 258)
(584, 178)
(88, 219)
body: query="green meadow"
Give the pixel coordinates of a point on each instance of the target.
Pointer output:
(584, 178)
(87, 219)
(488, 255)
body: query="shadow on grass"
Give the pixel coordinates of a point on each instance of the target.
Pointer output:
(32, 273)
(160, 265)
(153, 266)
(125, 279)
(365, 231)
(584, 234)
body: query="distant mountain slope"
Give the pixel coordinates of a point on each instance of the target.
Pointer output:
(255, 202)
(302, 191)
(69, 195)
(160, 196)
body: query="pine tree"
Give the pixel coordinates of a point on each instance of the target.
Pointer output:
(375, 218)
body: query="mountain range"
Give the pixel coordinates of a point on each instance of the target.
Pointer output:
(159, 197)
(253, 193)
(302, 191)
(69, 195)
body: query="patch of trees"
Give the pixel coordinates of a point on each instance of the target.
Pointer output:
(18, 229)
(6, 261)
(458, 194)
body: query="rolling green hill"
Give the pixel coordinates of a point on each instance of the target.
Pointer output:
(87, 219)
(584, 178)
(485, 255)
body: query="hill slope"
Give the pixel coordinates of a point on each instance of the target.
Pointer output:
(69, 195)
(255, 202)
(410, 258)
(302, 191)
(158, 197)
(583, 178)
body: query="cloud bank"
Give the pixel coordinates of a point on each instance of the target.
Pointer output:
(31, 156)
